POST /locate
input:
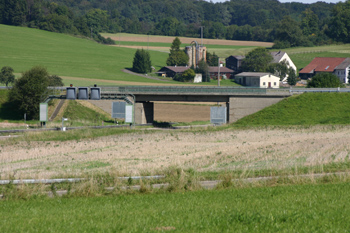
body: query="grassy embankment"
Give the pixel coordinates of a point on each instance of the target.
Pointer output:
(305, 109)
(79, 113)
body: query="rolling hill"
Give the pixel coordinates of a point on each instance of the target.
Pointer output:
(68, 56)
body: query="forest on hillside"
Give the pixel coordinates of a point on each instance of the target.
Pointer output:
(286, 24)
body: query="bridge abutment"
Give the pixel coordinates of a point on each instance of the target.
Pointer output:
(239, 107)
(144, 112)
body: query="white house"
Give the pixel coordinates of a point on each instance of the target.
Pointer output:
(235, 62)
(280, 56)
(342, 71)
(256, 79)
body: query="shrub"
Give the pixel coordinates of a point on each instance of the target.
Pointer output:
(6, 75)
(322, 80)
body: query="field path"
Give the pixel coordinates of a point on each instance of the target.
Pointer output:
(188, 40)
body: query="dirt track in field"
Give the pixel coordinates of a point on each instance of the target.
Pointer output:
(186, 40)
(151, 152)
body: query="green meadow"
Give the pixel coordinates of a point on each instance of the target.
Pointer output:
(304, 55)
(64, 55)
(290, 208)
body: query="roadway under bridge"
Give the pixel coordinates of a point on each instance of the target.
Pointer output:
(240, 101)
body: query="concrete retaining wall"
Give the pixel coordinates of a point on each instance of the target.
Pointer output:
(241, 107)
(144, 112)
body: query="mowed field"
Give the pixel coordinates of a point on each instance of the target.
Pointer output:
(151, 151)
(222, 48)
(185, 40)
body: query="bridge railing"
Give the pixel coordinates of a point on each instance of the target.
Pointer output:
(305, 90)
(182, 89)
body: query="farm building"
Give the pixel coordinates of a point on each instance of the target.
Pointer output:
(196, 53)
(255, 79)
(224, 72)
(235, 62)
(339, 66)
(171, 71)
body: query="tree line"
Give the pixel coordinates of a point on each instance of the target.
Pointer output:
(286, 24)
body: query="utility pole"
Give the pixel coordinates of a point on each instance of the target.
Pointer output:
(120, 31)
(202, 34)
(218, 71)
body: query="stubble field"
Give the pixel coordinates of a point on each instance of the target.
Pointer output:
(151, 152)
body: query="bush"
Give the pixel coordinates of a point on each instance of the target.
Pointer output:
(55, 81)
(188, 75)
(281, 44)
(323, 80)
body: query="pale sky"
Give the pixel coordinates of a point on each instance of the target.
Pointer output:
(305, 1)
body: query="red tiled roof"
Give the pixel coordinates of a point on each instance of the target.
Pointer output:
(322, 64)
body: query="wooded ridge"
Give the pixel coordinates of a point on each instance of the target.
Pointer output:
(286, 24)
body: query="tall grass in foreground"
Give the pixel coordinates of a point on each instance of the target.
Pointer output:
(293, 208)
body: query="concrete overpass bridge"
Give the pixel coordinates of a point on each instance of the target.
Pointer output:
(240, 101)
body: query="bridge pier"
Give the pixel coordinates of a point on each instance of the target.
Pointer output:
(239, 107)
(144, 112)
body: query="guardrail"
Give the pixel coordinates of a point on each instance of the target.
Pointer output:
(181, 89)
(292, 91)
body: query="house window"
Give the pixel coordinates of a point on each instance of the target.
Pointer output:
(275, 83)
(264, 83)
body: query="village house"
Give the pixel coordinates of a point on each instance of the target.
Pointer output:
(225, 73)
(256, 79)
(339, 66)
(171, 71)
(235, 62)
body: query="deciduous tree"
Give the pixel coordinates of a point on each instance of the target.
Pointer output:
(257, 60)
(203, 68)
(29, 90)
(292, 77)
(6, 75)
